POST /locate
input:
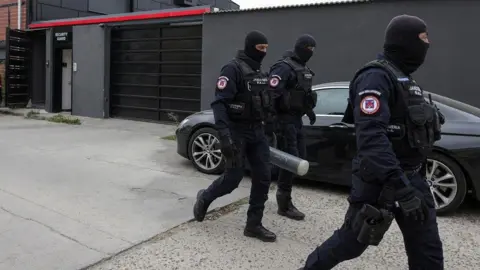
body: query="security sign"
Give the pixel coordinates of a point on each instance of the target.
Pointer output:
(369, 105)
(222, 82)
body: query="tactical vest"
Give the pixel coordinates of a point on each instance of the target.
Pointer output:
(251, 102)
(298, 97)
(414, 123)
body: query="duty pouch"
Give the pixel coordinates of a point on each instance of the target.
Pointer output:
(237, 111)
(420, 128)
(373, 224)
(266, 100)
(297, 100)
(257, 107)
(284, 104)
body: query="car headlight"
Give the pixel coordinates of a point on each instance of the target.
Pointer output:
(184, 121)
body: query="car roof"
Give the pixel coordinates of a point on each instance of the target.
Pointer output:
(436, 97)
(341, 84)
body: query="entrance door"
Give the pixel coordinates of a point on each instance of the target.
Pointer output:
(67, 80)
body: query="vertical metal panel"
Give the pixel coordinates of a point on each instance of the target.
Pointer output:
(88, 80)
(18, 62)
(348, 35)
(155, 71)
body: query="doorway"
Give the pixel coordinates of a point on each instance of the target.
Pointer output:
(67, 80)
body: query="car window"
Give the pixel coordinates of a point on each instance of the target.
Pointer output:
(332, 101)
(454, 114)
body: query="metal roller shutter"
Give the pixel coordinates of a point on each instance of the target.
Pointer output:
(156, 72)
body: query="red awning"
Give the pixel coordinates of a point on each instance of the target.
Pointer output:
(123, 17)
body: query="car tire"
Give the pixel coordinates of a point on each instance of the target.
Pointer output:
(200, 164)
(446, 165)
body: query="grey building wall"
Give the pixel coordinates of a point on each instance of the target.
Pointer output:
(144, 5)
(348, 35)
(88, 81)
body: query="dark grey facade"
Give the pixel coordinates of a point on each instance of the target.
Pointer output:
(143, 5)
(350, 34)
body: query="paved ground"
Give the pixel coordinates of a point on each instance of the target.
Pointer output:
(219, 244)
(72, 195)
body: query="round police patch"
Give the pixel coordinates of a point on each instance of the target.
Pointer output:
(222, 83)
(274, 81)
(369, 105)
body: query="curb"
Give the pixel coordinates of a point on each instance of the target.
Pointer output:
(211, 215)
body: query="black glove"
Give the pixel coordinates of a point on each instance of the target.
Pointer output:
(227, 146)
(412, 203)
(313, 118)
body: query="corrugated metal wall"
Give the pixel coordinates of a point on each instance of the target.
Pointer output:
(348, 35)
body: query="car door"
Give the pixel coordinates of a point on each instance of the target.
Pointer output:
(330, 143)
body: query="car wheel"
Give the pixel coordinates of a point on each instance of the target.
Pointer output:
(204, 151)
(447, 183)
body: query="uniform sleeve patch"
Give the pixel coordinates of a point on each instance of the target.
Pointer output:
(369, 104)
(274, 81)
(222, 82)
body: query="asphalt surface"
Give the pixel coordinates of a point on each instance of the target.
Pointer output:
(219, 244)
(73, 195)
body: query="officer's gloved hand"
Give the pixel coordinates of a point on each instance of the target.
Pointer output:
(313, 118)
(412, 203)
(227, 146)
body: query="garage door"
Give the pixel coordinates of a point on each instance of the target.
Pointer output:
(155, 72)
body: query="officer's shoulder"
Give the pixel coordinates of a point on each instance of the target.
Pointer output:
(373, 75)
(230, 68)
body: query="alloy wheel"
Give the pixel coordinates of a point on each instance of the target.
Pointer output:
(442, 182)
(205, 152)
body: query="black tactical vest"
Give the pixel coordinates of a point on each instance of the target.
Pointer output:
(251, 102)
(414, 123)
(296, 98)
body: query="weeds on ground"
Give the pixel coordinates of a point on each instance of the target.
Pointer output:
(170, 138)
(59, 118)
(174, 117)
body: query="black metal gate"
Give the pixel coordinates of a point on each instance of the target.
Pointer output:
(156, 72)
(17, 68)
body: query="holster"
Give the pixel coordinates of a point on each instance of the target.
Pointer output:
(372, 224)
(235, 162)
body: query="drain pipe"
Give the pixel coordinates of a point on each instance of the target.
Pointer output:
(19, 14)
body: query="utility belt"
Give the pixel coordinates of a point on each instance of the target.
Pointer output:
(297, 100)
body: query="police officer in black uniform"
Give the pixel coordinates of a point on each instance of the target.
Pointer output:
(290, 81)
(396, 128)
(240, 107)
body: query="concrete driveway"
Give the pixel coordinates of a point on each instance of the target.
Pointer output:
(218, 243)
(72, 195)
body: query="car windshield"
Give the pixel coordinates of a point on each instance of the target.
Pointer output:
(333, 101)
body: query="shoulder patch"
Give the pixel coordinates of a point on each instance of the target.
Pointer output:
(369, 105)
(274, 81)
(222, 82)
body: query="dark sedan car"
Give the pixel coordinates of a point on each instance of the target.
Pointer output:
(453, 167)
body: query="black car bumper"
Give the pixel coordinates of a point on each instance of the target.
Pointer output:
(182, 141)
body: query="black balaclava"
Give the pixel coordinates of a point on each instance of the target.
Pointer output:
(301, 50)
(251, 40)
(403, 46)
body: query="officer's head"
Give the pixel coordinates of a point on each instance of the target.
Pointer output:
(256, 44)
(304, 47)
(406, 42)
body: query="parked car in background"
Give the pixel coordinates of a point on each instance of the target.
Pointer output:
(453, 169)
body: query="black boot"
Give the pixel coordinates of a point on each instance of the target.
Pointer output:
(260, 233)
(286, 207)
(201, 206)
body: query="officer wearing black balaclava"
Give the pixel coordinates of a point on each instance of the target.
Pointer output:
(395, 130)
(290, 82)
(240, 106)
